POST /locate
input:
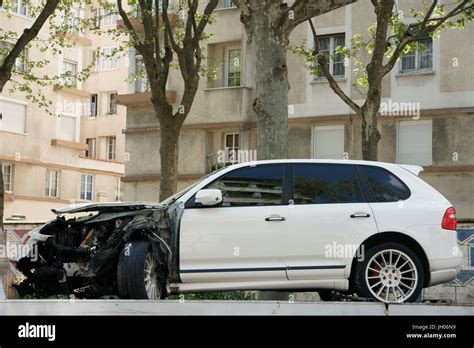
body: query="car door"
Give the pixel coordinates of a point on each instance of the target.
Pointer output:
(328, 220)
(243, 238)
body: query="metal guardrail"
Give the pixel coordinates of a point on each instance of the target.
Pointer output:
(228, 308)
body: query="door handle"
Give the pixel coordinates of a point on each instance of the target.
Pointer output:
(275, 218)
(360, 214)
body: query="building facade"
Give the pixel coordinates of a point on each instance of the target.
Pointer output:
(74, 153)
(426, 118)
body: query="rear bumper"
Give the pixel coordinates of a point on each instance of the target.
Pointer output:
(444, 270)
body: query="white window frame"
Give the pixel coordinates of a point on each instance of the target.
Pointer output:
(111, 17)
(414, 122)
(72, 78)
(10, 178)
(108, 63)
(94, 106)
(233, 147)
(86, 180)
(110, 110)
(52, 183)
(227, 62)
(417, 53)
(16, 11)
(314, 129)
(332, 52)
(112, 148)
(91, 148)
(21, 66)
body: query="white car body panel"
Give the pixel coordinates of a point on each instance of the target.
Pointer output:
(209, 237)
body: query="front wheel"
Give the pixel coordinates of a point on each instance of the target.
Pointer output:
(139, 275)
(390, 272)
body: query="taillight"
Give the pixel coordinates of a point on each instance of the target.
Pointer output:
(449, 219)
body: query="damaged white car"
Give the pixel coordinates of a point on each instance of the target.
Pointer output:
(366, 228)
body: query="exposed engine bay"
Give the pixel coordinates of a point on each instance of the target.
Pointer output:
(87, 255)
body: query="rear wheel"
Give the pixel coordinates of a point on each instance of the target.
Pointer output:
(390, 272)
(138, 273)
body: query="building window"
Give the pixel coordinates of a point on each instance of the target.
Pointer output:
(21, 63)
(16, 6)
(108, 16)
(69, 73)
(72, 21)
(119, 191)
(328, 142)
(13, 115)
(68, 128)
(142, 84)
(7, 170)
(94, 57)
(86, 187)
(94, 104)
(108, 60)
(415, 142)
(233, 67)
(225, 4)
(52, 179)
(419, 59)
(91, 146)
(231, 147)
(327, 48)
(112, 103)
(111, 144)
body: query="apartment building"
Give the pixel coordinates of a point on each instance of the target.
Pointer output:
(427, 116)
(76, 153)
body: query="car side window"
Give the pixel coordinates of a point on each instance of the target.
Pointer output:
(325, 183)
(385, 186)
(259, 185)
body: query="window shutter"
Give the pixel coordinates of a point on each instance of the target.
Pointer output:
(68, 128)
(415, 142)
(13, 116)
(328, 142)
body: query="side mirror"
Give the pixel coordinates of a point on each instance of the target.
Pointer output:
(208, 197)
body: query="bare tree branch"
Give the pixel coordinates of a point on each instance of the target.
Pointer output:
(324, 69)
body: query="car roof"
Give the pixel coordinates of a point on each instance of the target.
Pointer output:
(305, 160)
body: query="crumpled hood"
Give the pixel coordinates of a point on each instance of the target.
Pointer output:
(106, 206)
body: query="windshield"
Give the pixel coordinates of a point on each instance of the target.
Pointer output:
(177, 195)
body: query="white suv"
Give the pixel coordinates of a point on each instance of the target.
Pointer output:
(370, 228)
(373, 228)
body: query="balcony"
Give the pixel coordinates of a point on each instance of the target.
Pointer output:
(71, 91)
(142, 98)
(232, 104)
(75, 37)
(68, 144)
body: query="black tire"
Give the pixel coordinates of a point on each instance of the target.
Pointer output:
(362, 287)
(131, 271)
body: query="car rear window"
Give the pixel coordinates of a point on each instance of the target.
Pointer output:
(385, 186)
(323, 184)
